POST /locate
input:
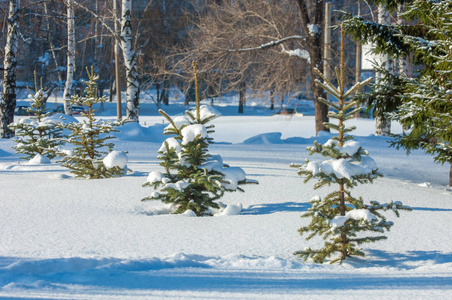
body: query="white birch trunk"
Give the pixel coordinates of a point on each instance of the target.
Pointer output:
(402, 61)
(382, 124)
(8, 100)
(70, 57)
(132, 94)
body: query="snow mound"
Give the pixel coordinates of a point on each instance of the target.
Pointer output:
(189, 213)
(39, 160)
(115, 159)
(4, 153)
(133, 131)
(231, 210)
(265, 139)
(425, 184)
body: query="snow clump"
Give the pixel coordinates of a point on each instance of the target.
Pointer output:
(356, 214)
(191, 132)
(39, 160)
(115, 159)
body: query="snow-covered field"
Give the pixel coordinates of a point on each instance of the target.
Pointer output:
(63, 238)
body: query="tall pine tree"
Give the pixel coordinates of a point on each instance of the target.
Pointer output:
(193, 178)
(340, 218)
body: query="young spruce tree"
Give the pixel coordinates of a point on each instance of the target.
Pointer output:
(89, 139)
(340, 218)
(37, 135)
(193, 179)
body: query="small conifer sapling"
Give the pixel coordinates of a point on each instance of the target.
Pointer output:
(91, 155)
(341, 218)
(193, 179)
(37, 135)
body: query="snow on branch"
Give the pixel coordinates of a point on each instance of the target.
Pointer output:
(304, 54)
(269, 44)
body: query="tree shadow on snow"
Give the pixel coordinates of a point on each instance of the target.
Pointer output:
(192, 273)
(404, 261)
(431, 209)
(271, 208)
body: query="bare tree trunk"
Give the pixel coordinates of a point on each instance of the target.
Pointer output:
(450, 175)
(130, 62)
(165, 97)
(314, 42)
(382, 124)
(70, 57)
(272, 99)
(242, 97)
(117, 76)
(8, 101)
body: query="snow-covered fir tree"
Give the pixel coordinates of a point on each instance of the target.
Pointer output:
(92, 156)
(340, 217)
(37, 135)
(193, 178)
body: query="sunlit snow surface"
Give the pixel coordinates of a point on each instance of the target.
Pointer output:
(65, 238)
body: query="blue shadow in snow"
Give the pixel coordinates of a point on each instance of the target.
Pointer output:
(403, 261)
(123, 276)
(271, 208)
(431, 209)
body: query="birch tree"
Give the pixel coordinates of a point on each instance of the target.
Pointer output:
(8, 100)
(70, 57)
(133, 91)
(382, 124)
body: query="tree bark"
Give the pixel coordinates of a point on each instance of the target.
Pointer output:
(8, 101)
(382, 124)
(450, 175)
(132, 93)
(314, 38)
(242, 97)
(70, 57)
(117, 77)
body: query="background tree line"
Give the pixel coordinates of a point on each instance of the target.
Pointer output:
(167, 35)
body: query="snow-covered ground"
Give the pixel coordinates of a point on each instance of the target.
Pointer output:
(63, 238)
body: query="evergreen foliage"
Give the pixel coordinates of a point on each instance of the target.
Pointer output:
(37, 135)
(339, 217)
(90, 137)
(194, 178)
(423, 102)
(427, 103)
